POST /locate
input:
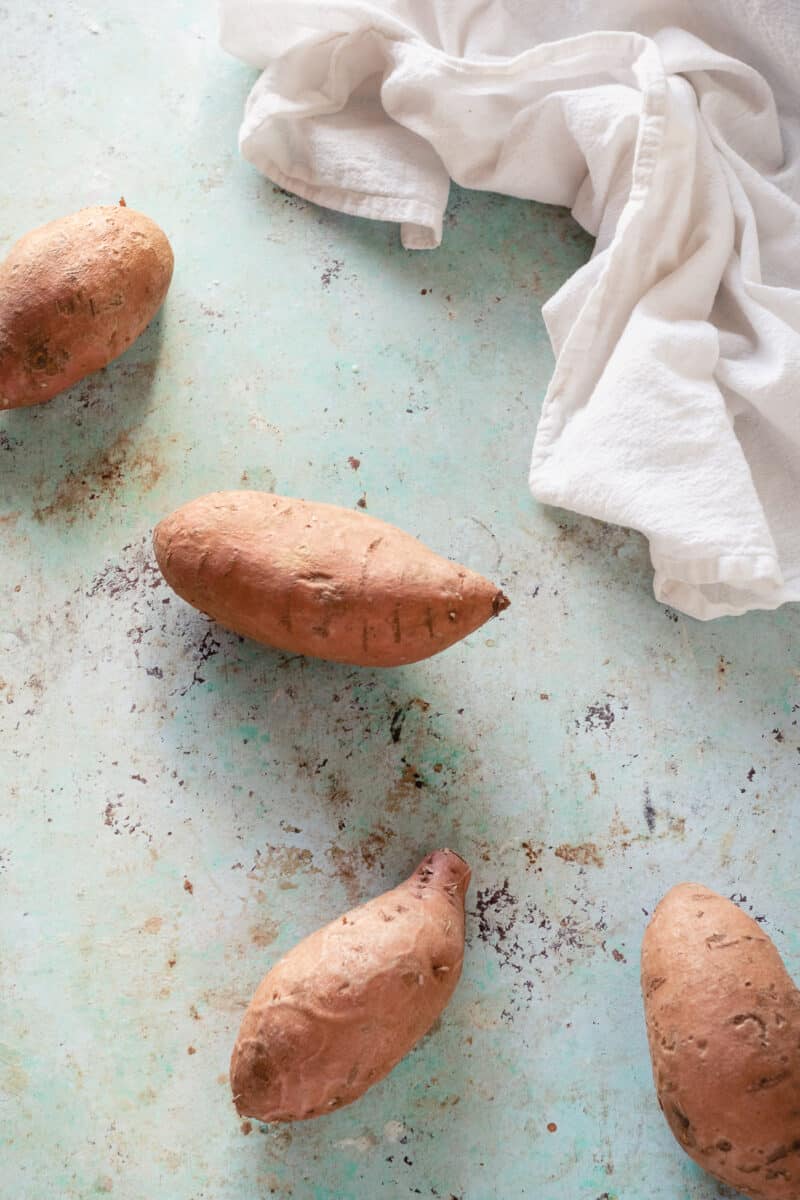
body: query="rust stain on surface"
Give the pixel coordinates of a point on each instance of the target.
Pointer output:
(532, 852)
(285, 861)
(366, 854)
(263, 933)
(403, 792)
(585, 854)
(344, 866)
(103, 477)
(14, 1080)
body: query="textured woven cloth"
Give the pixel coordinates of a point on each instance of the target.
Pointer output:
(673, 135)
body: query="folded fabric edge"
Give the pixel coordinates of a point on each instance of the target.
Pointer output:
(727, 585)
(420, 223)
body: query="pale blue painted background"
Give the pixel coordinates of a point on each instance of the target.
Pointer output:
(141, 747)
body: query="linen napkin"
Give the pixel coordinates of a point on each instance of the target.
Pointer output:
(672, 132)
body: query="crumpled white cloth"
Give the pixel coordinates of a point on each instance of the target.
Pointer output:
(673, 135)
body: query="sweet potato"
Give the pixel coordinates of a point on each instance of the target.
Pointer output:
(341, 1009)
(723, 1022)
(320, 580)
(73, 295)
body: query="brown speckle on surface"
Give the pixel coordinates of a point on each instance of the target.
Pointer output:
(188, 886)
(246, 1126)
(649, 811)
(331, 271)
(398, 718)
(263, 933)
(367, 854)
(552, 1127)
(402, 793)
(354, 463)
(362, 501)
(599, 716)
(103, 476)
(532, 852)
(285, 861)
(585, 854)
(618, 956)
(191, 1050)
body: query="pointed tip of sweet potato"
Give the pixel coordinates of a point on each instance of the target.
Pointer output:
(500, 603)
(445, 870)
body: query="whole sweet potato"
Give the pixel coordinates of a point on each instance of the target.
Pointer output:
(723, 1022)
(346, 1004)
(318, 579)
(73, 295)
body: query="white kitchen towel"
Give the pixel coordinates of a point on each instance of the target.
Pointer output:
(671, 129)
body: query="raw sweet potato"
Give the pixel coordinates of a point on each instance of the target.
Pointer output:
(321, 580)
(723, 1022)
(73, 295)
(341, 1009)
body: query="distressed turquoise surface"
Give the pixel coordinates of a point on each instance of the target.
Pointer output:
(179, 806)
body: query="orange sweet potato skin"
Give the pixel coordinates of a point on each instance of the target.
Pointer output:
(74, 294)
(318, 579)
(341, 1009)
(723, 1023)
